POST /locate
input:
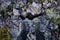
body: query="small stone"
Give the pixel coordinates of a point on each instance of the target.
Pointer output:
(15, 12)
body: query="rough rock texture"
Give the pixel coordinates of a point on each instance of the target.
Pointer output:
(31, 19)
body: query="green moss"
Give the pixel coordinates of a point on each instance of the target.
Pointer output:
(47, 17)
(58, 19)
(24, 8)
(49, 0)
(0, 10)
(5, 33)
(58, 31)
(28, 3)
(10, 8)
(5, 12)
(41, 1)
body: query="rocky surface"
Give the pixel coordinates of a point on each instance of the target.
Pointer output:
(31, 19)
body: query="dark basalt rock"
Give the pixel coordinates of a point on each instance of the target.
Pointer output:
(23, 35)
(39, 35)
